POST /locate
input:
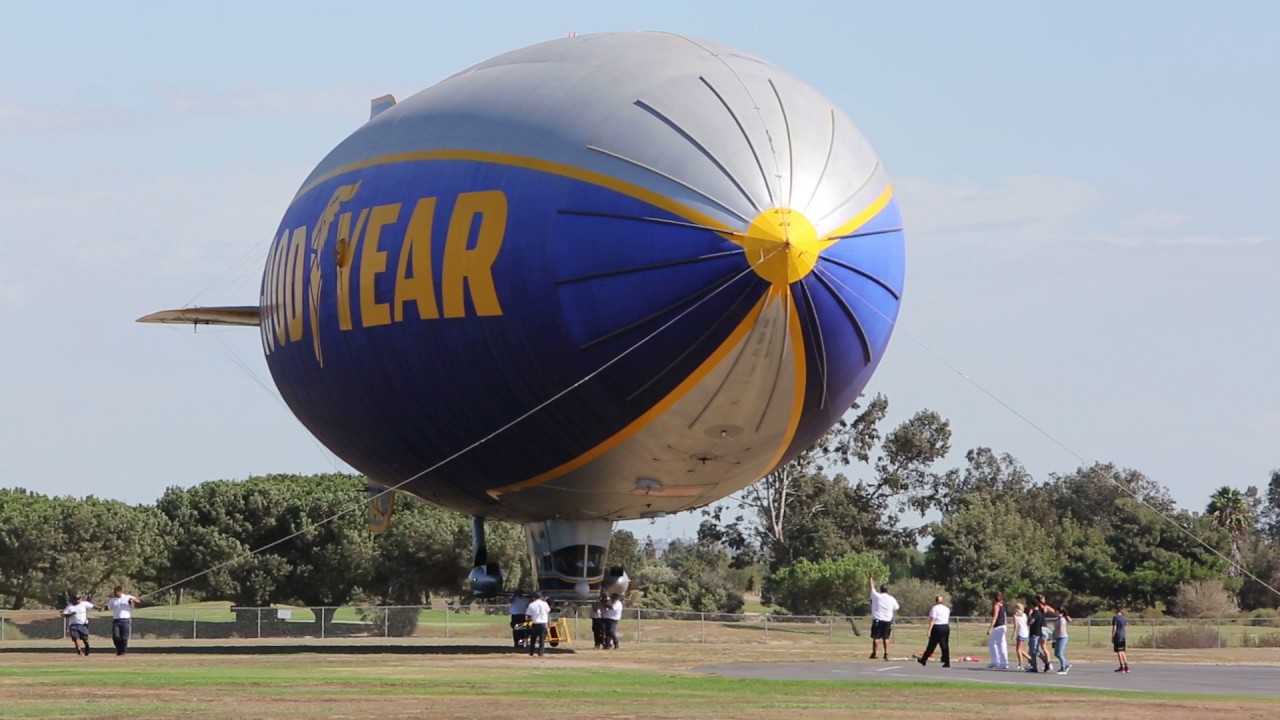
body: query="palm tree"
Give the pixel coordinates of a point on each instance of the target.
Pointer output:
(1231, 512)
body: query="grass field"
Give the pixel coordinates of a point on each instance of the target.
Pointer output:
(419, 680)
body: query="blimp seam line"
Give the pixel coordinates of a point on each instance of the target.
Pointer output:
(750, 145)
(683, 389)
(853, 268)
(811, 319)
(848, 311)
(656, 113)
(528, 163)
(869, 233)
(649, 219)
(707, 196)
(791, 156)
(831, 148)
(697, 295)
(736, 304)
(651, 266)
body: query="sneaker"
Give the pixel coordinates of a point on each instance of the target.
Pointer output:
(886, 658)
(922, 661)
(1032, 670)
(946, 665)
(1120, 669)
(1126, 668)
(1064, 670)
(873, 655)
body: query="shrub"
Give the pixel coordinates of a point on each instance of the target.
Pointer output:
(1204, 598)
(1186, 637)
(1155, 612)
(915, 597)
(1264, 617)
(1260, 640)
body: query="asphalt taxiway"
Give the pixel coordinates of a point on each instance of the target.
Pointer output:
(1191, 679)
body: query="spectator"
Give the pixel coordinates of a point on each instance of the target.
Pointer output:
(1022, 634)
(1060, 641)
(996, 645)
(1119, 623)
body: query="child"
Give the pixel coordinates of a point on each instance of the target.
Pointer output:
(1022, 634)
(1118, 624)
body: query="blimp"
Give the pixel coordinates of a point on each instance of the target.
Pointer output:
(602, 278)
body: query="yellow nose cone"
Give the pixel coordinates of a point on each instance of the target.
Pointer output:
(782, 245)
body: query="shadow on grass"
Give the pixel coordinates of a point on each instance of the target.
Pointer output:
(294, 650)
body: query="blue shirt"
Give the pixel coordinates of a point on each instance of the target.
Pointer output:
(1118, 623)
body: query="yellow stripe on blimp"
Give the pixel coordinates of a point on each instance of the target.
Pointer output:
(796, 333)
(684, 388)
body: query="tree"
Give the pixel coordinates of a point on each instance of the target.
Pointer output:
(989, 545)
(799, 511)
(1230, 512)
(1270, 511)
(51, 546)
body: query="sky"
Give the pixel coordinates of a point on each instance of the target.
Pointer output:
(1088, 191)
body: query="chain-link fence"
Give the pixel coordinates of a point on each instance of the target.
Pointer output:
(490, 623)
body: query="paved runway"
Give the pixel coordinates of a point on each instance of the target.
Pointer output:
(1197, 679)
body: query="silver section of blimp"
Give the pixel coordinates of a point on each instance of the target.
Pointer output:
(723, 133)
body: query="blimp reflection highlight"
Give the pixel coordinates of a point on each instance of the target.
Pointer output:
(601, 278)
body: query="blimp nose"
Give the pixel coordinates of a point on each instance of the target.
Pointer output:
(782, 246)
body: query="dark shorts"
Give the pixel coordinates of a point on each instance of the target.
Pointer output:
(78, 632)
(881, 629)
(1117, 645)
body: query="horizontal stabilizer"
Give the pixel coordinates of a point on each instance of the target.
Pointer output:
(233, 315)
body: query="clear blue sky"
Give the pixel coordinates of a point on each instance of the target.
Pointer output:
(1089, 193)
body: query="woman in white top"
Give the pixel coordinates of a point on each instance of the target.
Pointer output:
(1022, 633)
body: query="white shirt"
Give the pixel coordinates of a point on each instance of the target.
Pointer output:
(518, 606)
(120, 607)
(613, 610)
(539, 612)
(883, 606)
(940, 614)
(79, 612)
(1020, 625)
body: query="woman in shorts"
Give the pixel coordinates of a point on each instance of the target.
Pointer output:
(1022, 633)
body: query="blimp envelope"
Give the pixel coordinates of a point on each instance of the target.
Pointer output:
(600, 278)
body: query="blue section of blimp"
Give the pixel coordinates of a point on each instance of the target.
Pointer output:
(583, 274)
(848, 306)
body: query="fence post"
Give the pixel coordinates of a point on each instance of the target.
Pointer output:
(1154, 628)
(447, 608)
(702, 626)
(386, 631)
(193, 624)
(259, 616)
(1218, 624)
(639, 612)
(1088, 631)
(321, 622)
(766, 629)
(1, 628)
